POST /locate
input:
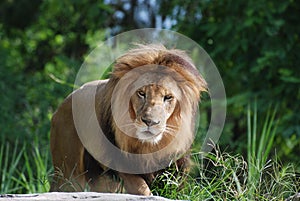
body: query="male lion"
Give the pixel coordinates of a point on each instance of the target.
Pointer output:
(129, 127)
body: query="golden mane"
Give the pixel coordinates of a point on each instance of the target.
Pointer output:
(159, 55)
(77, 147)
(188, 80)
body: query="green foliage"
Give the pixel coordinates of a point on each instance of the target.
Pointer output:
(8, 167)
(217, 176)
(258, 151)
(36, 54)
(224, 176)
(254, 44)
(24, 168)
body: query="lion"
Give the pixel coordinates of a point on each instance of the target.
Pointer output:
(118, 134)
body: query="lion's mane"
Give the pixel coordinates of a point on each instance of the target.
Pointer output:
(188, 80)
(75, 140)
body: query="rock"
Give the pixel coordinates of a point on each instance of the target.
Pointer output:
(87, 196)
(294, 198)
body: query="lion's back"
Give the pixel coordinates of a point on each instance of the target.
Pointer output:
(66, 146)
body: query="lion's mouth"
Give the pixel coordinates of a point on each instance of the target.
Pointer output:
(149, 133)
(148, 136)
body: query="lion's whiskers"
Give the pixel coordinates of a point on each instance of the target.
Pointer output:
(172, 126)
(126, 125)
(130, 129)
(127, 128)
(170, 131)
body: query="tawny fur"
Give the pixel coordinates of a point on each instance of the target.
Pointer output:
(75, 166)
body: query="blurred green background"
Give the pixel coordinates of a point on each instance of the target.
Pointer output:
(254, 44)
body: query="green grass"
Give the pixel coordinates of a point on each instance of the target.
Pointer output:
(216, 175)
(224, 176)
(24, 169)
(259, 148)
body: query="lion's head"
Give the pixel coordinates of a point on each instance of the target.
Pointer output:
(155, 98)
(151, 107)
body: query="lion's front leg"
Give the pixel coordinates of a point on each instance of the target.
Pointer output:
(135, 184)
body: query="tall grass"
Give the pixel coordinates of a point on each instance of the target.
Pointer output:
(23, 168)
(9, 161)
(216, 175)
(224, 176)
(259, 147)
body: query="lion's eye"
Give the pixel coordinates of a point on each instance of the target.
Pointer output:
(168, 97)
(141, 94)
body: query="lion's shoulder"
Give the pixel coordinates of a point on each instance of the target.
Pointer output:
(90, 87)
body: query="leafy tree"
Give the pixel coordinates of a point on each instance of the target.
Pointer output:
(255, 46)
(41, 40)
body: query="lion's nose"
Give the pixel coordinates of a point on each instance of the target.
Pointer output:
(149, 122)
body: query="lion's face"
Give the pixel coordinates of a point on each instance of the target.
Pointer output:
(152, 106)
